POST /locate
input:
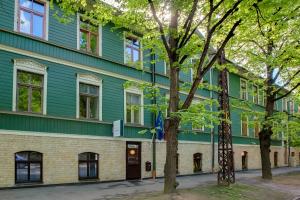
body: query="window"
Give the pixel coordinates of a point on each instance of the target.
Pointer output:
(244, 126)
(89, 105)
(88, 40)
(196, 127)
(29, 92)
(134, 109)
(291, 106)
(264, 98)
(255, 94)
(88, 165)
(197, 162)
(132, 50)
(30, 86)
(243, 89)
(256, 129)
(31, 17)
(284, 104)
(167, 68)
(89, 98)
(28, 167)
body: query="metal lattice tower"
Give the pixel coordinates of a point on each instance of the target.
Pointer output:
(226, 174)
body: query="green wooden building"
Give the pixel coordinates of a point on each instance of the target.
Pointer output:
(61, 89)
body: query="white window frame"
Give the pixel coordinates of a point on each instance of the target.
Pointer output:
(241, 79)
(202, 129)
(192, 75)
(284, 104)
(165, 68)
(99, 36)
(16, 18)
(259, 128)
(253, 96)
(292, 106)
(137, 91)
(91, 80)
(32, 66)
(247, 119)
(125, 34)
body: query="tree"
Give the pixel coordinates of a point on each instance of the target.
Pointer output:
(175, 30)
(270, 50)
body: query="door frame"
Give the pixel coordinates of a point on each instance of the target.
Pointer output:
(139, 157)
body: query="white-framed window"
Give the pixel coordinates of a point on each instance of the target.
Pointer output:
(291, 106)
(29, 87)
(133, 106)
(284, 104)
(89, 97)
(133, 54)
(89, 36)
(32, 17)
(244, 126)
(243, 89)
(195, 127)
(255, 94)
(256, 127)
(166, 68)
(191, 75)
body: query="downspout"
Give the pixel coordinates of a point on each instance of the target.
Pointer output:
(153, 79)
(212, 130)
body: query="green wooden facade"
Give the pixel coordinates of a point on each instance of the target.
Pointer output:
(64, 61)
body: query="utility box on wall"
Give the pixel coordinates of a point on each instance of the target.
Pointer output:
(148, 166)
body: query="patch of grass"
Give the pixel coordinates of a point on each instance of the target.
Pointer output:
(237, 192)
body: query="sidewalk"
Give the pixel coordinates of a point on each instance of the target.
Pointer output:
(119, 189)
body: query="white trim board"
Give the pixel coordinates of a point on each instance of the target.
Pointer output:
(80, 66)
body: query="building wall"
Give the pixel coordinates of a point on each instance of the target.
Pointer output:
(60, 156)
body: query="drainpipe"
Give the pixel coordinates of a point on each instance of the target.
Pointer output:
(153, 79)
(212, 130)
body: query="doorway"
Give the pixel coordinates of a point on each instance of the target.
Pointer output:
(275, 159)
(197, 162)
(244, 160)
(133, 160)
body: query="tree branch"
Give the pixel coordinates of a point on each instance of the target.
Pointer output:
(289, 92)
(188, 23)
(201, 73)
(288, 82)
(160, 27)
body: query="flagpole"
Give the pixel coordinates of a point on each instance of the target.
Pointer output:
(153, 58)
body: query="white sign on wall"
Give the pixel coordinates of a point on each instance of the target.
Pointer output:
(118, 128)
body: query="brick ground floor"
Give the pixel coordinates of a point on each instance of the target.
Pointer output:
(117, 158)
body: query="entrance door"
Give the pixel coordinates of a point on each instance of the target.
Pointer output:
(244, 160)
(133, 160)
(275, 159)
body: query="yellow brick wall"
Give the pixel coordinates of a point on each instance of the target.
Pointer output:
(60, 156)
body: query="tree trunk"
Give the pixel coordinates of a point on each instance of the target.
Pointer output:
(171, 156)
(265, 135)
(265, 143)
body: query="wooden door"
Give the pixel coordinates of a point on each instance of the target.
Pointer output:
(133, 160)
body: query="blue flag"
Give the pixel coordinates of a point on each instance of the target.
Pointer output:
(159, 126)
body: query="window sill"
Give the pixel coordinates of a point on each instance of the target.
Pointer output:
(87, 180)
(135, 125)
(32, 36)
(25, 184)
